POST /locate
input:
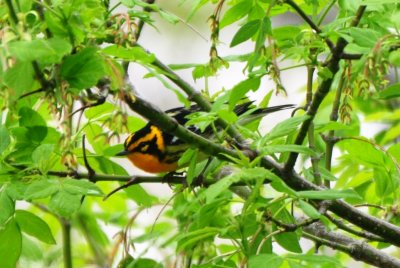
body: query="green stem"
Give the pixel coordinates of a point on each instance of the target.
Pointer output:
(100, 255)
(66, 235)
(321, 19)
(11, 11)
(329, 140)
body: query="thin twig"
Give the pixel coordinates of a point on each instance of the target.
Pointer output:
(90, 170)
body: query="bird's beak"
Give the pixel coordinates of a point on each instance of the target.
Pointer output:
(122, 153)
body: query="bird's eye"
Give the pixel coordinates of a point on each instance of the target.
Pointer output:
(144, 148)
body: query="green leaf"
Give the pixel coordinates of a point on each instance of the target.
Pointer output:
(41, 189)
(391, 92)
(138, 194)
(42, 157)
(188, 240)
(7, 206)
(309, 210)
(81, 187)
(65, 203)
(10, 244)
(46, 51)
(191, 172)
(364, 37)
(284, 128)
(315, 259)
(272, 149)
(131, 53)
(235, 13)
(143, 263)
(30, 118)
(239, 90)
(330, 194)
(364, 153)
(289, 241)
(331, 125)
(217, 188)
(83, 69)
(19, 78)
(31, 250)
(170, 17)
(34, 226)
(385, 184)
(246, 32)
(394, 57)
(4, 139)
(265, 260)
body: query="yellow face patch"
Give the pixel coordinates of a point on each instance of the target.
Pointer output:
(155, 132)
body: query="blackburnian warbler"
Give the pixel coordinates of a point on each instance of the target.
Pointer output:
(155, 151)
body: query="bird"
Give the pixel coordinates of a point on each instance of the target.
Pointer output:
(155, 151)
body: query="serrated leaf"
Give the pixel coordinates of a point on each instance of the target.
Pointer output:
(330, 194)
(81, 187)
(41, 189)
(34, 226)
(245, 32)
(64, 203)
(10, 244)
(83, 69)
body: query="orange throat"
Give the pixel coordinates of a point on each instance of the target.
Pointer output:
(151, 163)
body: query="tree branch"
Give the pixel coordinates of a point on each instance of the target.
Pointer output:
(389, 232)
(346, 228)
(197, 97)
(356, 249)
(322, 91)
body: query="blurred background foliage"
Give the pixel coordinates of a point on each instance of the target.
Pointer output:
(63, 75)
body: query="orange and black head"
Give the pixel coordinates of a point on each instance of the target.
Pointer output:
(146, 150)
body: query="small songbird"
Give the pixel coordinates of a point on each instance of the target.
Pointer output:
(155, 151)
